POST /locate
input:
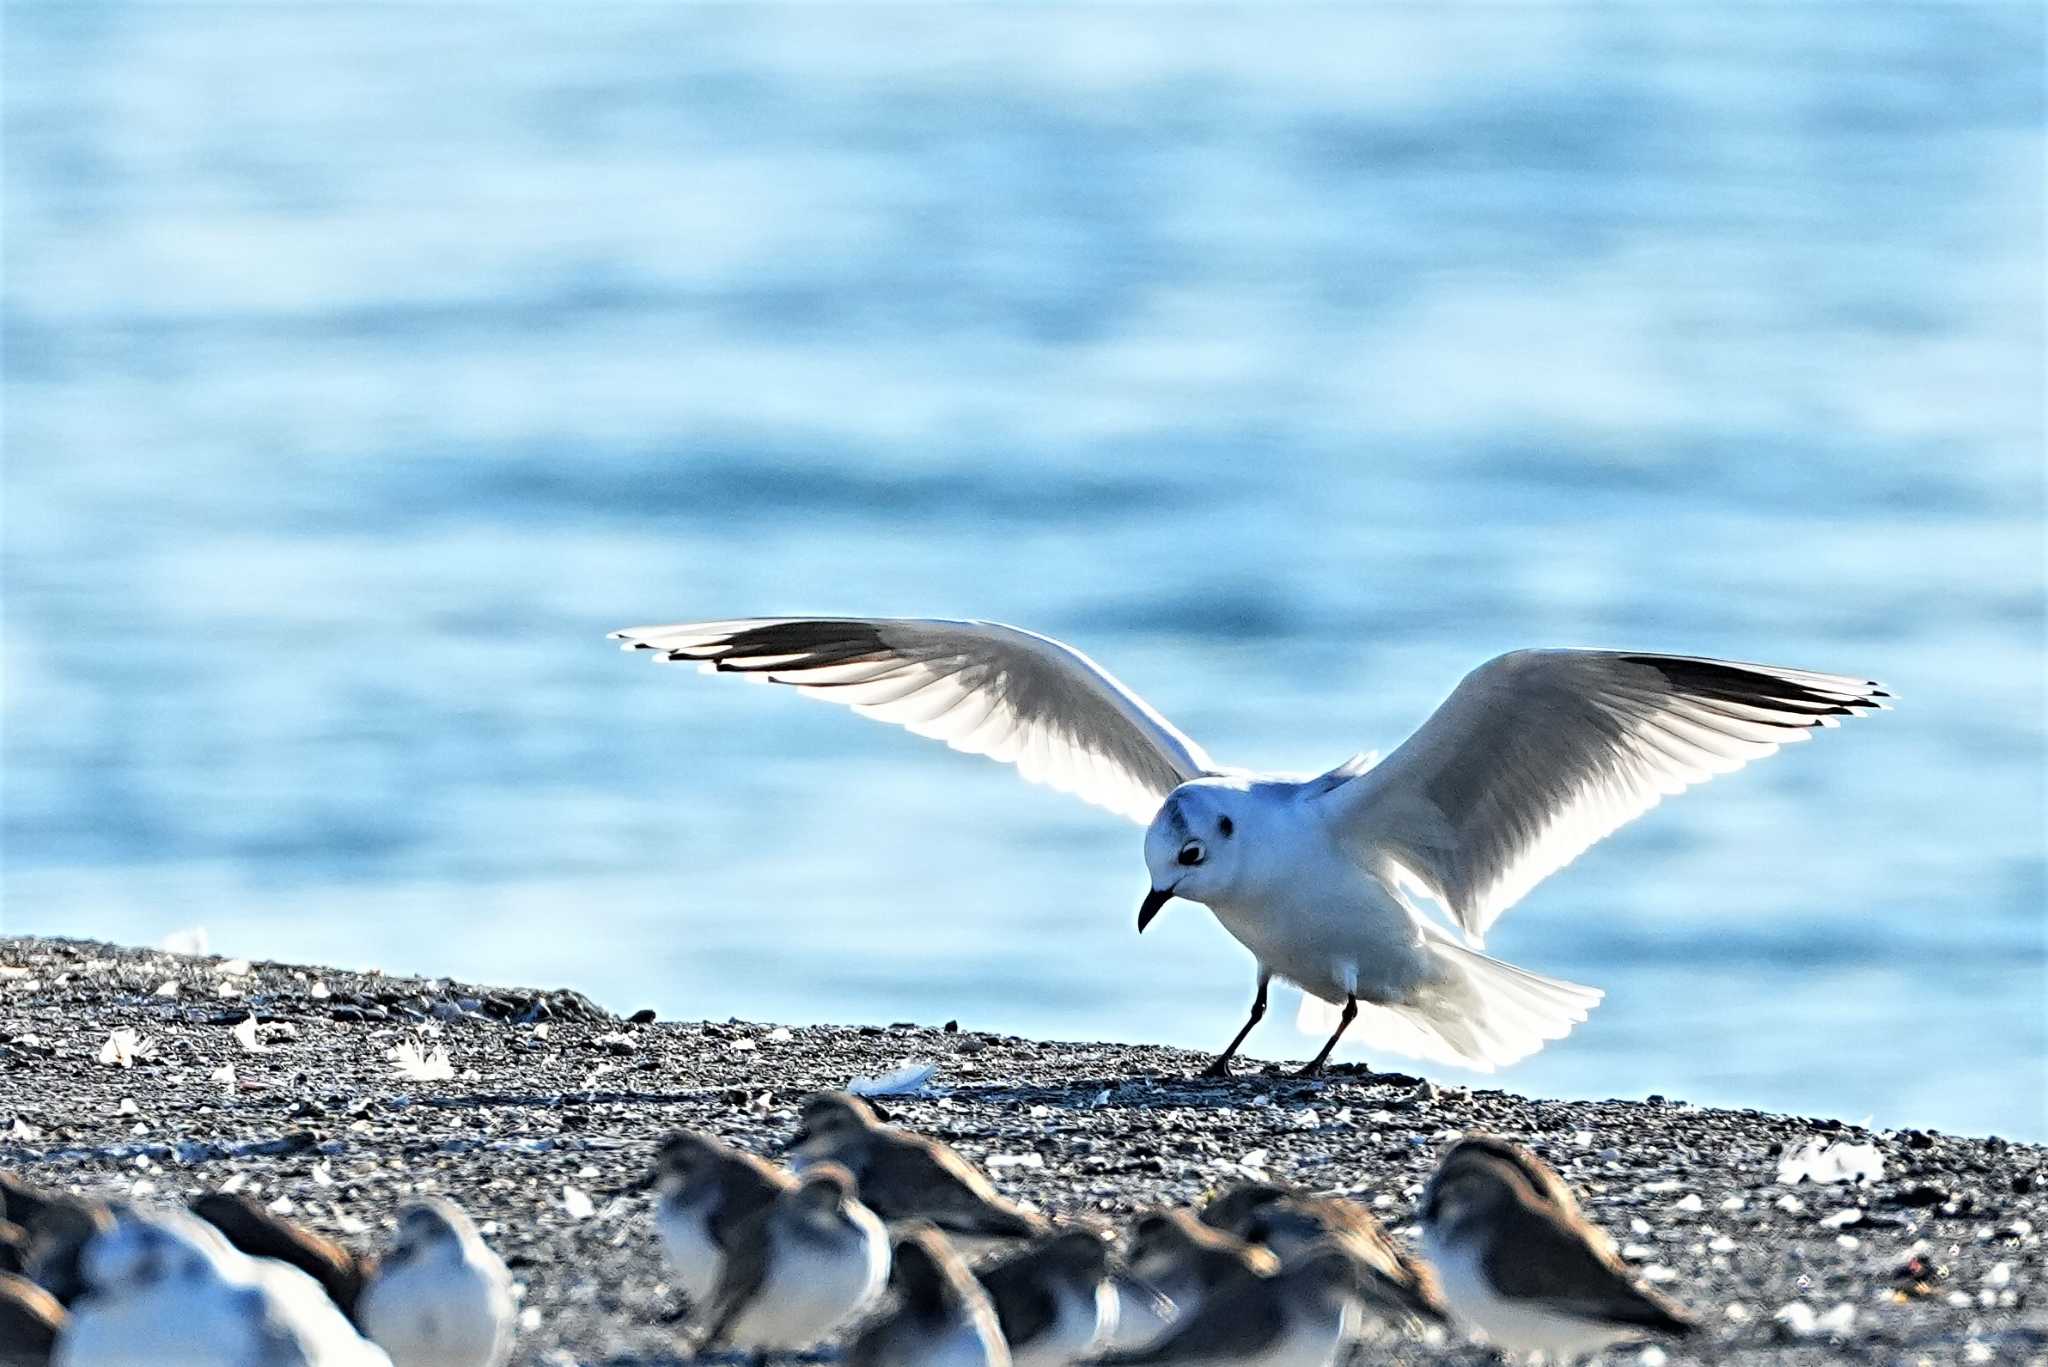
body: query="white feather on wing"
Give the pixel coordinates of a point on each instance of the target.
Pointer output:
(981, 687)
(1538, 754)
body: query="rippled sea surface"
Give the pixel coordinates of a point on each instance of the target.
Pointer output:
(364, 365)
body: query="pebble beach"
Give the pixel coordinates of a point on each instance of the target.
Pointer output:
(335, 1095)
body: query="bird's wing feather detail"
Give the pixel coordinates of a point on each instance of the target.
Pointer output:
(981, 687)
(1538, 754)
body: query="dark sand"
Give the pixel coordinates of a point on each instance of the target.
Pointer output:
(1941, 1258)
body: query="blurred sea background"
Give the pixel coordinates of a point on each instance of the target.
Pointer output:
(365, 364)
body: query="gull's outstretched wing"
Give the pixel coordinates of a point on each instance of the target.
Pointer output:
(981, 687)
(1539, 753)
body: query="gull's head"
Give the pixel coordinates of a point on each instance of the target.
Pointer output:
(1193, 846)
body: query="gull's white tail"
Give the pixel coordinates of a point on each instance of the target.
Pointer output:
(1479, 1013)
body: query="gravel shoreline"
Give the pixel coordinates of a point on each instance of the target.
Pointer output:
(555, 1099)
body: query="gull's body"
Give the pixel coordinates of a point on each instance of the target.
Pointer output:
(1536, 755)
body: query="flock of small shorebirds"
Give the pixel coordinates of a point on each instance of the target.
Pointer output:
(879, 1229)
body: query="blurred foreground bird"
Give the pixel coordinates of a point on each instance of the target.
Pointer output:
(705, 1190)
(942, 1316)
(49, 1232)
(905, 1176)
(799, 1268)
(163, 1287)
(1396, 1286)
(1305, 1315)
(1054, 1298)
(440, 1297)
(261, 1233)
(1526, 1269)
(30, 1321)
(1189, 1261)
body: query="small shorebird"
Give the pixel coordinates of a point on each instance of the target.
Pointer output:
(164, 1287)
(1189, 1261)
(1304, 1315)
(706, 1190)
(1536, 755)
(1396, 1285)
(1055, 1299)
(799, 1268)
(905, 1176)
(1530, 1272)
(942, 1317)
(440, 1296)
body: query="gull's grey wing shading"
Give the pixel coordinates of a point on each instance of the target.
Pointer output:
(1537, 754)
(981, 687)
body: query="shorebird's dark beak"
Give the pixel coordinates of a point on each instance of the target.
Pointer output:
(1149, 908)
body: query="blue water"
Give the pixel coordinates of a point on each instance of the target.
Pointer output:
(364, 364)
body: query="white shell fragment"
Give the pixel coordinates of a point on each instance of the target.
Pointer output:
(908, 1078)
(124, 1046)
(245, 1035)
(411, 1059)
(1819, 1161)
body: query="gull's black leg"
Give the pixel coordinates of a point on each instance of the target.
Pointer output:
(1343, 1024)
(1221, 1067)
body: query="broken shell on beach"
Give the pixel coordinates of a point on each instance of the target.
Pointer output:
(334, 1100)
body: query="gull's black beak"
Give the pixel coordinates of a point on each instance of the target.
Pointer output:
(1149, 908)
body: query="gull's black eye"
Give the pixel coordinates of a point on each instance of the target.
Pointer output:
(1224, 825)
(1191, 853)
